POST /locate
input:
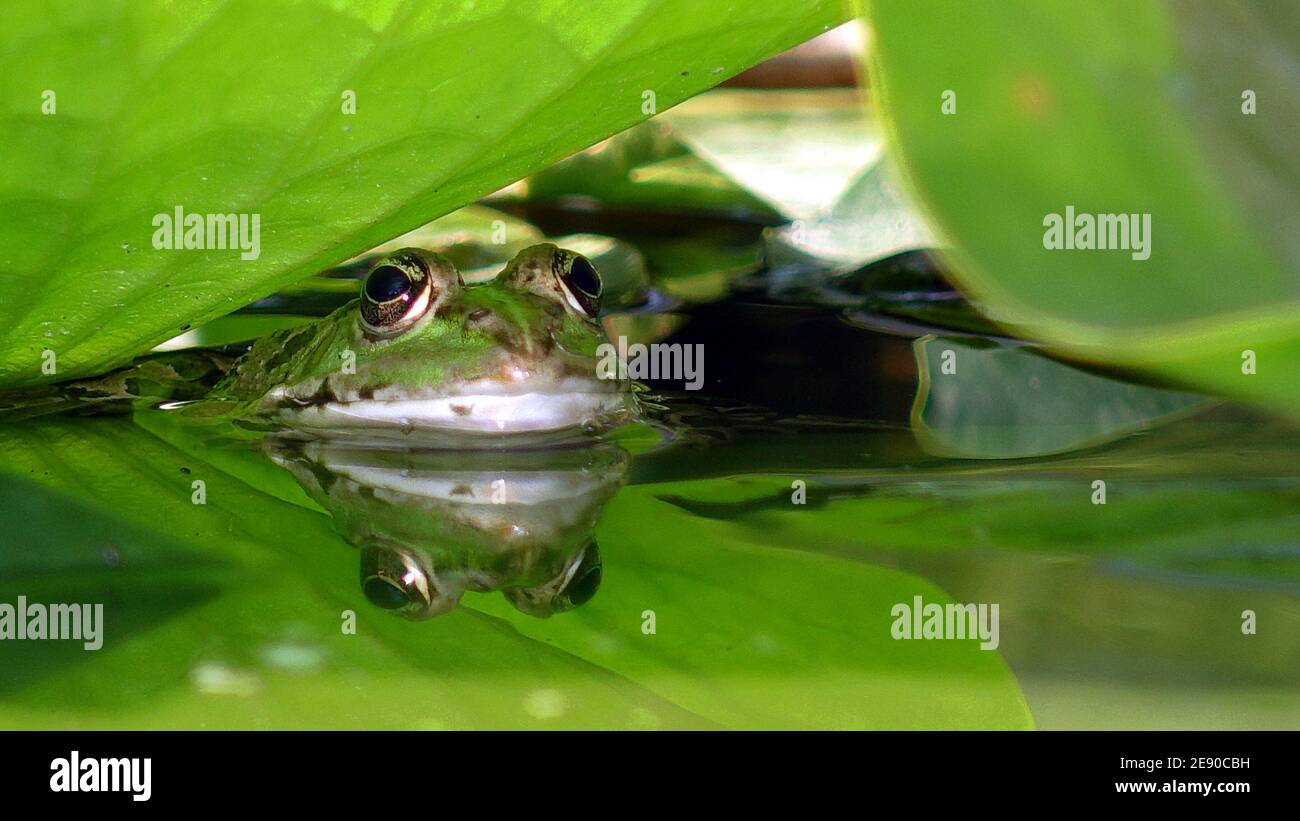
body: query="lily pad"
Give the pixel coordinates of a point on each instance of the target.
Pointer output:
(739, 616)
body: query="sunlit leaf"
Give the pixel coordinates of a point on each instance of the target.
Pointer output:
(242, 108)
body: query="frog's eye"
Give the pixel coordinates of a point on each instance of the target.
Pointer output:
(581, 284)
(397, 291)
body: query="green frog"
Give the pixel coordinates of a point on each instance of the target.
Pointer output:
(419, 356)
(420, 350)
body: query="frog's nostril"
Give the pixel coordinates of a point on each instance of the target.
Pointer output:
(384, 594)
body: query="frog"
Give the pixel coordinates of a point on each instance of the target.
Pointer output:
(420, 350)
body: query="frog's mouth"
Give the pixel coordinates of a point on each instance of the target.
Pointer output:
(488, 408)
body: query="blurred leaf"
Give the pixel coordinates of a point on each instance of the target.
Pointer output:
(799, 151)
(644, 169)
(700, 267)
(995, 402)
(477, 239)
(237, 107)
(870, 222)
(1114, 108)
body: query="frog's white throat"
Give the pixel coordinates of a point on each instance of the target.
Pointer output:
(485, 408)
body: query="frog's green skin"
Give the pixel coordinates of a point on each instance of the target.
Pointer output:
(433, 524)
(515, 354)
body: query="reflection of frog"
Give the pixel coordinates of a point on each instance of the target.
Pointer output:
(432, 524)
(421, 350)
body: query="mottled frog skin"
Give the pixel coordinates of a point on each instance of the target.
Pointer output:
(419, 349)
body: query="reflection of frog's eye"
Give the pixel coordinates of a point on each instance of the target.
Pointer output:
(582, 285)
(584, 583)
(393, 579)
(396, 293)
(574, 587)
(385, 593)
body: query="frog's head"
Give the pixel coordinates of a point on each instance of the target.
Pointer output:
(420, 349)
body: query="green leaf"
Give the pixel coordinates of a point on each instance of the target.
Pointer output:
(238, 108)
(228, 614)
(1126, 614)
(995, 402)
(798, 150)
(753, 632)
(1116, 108)
(643, 169)
(870, 222)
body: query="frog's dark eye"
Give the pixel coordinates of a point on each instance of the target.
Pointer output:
(386, 283)
(584, 583)
(385, 593)
(574, 587)
(397, 292)
(585, 580)
(393, 579)
(582, 285)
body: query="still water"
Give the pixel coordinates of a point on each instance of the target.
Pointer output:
(758, 554)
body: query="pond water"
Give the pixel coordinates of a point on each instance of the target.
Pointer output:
(844, 527)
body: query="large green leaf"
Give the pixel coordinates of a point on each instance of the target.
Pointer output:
(228, 614)
(1112, 107)
(238, 107)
